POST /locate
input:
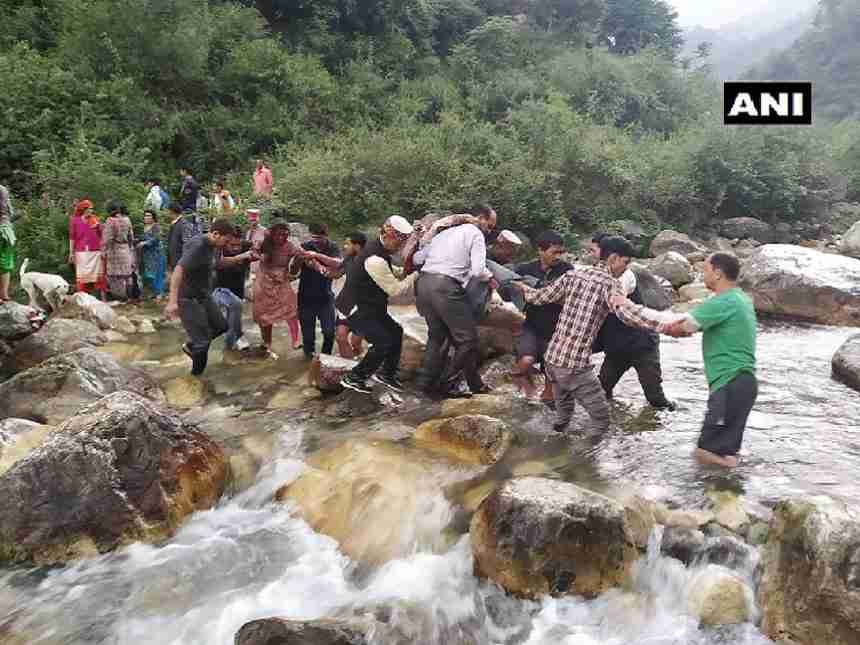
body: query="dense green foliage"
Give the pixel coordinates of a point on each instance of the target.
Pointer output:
(562, 113)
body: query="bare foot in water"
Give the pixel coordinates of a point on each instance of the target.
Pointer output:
(710, 459)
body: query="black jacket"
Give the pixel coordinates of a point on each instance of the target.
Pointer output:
(615, 337)
(315, 288)
(361, 289)
(543, 319)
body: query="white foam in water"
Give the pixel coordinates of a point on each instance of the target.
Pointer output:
(250, 559)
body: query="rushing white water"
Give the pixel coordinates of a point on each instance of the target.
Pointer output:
(249, 558)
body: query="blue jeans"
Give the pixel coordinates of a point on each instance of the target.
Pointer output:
(231, 309)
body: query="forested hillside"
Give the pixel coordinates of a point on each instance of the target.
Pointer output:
(564, 113)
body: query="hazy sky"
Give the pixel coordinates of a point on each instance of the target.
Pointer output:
(714, 13)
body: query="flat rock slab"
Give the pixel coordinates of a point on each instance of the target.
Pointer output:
(475, 439)
(280, 631)
(58, 336)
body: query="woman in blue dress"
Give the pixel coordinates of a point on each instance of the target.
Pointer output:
(152, 262)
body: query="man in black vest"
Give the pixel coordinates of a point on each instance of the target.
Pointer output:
(370, 282)
(625, 347)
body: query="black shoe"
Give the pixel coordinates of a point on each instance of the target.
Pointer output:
(186, 349)
(667, 405)
(352, 383)
(390, 382)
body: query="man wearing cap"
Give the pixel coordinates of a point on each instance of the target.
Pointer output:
(448, 263)
(505, 247)
(370, 283)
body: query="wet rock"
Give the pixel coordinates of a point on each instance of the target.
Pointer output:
(145, 326)
(718, 597)
(677, 242)
(804, 284)
(683, 544)
(115, 337)
(850, 243)
(683, 519)
(280, 631)
(743, 228)
(380, 500)
(846, 362)
(757, 534)
(120, 470)
(185, 391)
(124, 326)
(83, 306)
(674, 267)
(810, 586)
(54, 390)
(475, 439)
(327, 370)
(352, 405)
(17, 321)
(537, 536)
(656, 292)
(728, 552)
(290, 398)
(58, 336)
(729, 511)
(493, 405)
(18, 437)
(694, 291)
(639, 514)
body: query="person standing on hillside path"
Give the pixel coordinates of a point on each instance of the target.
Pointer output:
(369, 284)
(728, 325)
(189, 190)
(7, 243)
(191, 294)
(263, 181)
(587, 296)
(453, 257)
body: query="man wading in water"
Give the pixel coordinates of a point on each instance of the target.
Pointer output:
(587, 297)
(728, 325)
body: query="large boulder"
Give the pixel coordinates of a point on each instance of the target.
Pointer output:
(475, 439)
(694, 292)
(280, 631)
(656, 292)
(846, 362)
(18, 321)
(537, 536)
(83, 306)
(804, 284)
(744, 228)
(841, 216)
(810, 587)
(18, 437)
(718, 597)
(54, 390)
(683, 544)
(674, 267)
(119, 471)
(673, 241)
(850, 244)
(58, 336)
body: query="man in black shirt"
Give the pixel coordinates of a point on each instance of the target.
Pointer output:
(191, 293)
(231, 271)
(348, 342)
(316, 298)
(541, 320)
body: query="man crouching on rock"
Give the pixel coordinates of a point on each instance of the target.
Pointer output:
(728, 325)
(587, 296)
(191, 293)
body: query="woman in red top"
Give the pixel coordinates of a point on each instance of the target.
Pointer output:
(85, 248)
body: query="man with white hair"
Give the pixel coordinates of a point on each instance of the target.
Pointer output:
(505, 248)
(371, 281)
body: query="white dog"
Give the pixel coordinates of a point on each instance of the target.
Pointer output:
(47, 287)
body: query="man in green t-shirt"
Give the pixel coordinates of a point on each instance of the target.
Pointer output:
(728, 325)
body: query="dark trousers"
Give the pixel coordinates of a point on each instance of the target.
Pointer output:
(385, 339)
(203, 322)
(647, 366)
(309, 313)
(450, 317)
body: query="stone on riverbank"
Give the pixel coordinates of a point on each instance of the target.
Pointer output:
(810, 587)
(718, 597)
(804, 284)
(537, 536)
(475, 439)
(696, 291)
(120, 470)
(83, 306)
(18, 437)
(18, 321)
(683, 544)
(745, 228)
(674, 267)
(655, 292)
(58, 336)
(681, 243)
(846, 362)
(280, 631)
(54, 390)
(850, 244)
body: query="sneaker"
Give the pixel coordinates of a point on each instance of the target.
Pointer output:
(390, 382)
(352, 383)
(186, 349)
(241, 345)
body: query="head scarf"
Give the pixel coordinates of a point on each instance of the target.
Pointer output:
(82, 205)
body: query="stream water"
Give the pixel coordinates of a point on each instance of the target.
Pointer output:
(250, 558)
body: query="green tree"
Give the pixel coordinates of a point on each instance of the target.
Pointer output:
(629, 26)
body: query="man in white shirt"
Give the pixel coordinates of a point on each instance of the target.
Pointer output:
(154, 199)
(371, 281)
(452, 258)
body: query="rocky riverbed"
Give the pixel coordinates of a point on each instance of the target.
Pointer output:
(250, 505)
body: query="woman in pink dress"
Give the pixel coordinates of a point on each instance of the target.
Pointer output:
(85, 248)
(274, 298)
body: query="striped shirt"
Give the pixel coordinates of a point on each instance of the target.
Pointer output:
(585, 297)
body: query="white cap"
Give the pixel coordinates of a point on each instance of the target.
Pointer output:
(399, 224)
(510, 237)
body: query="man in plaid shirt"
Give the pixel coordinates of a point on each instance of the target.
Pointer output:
(587, 296)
